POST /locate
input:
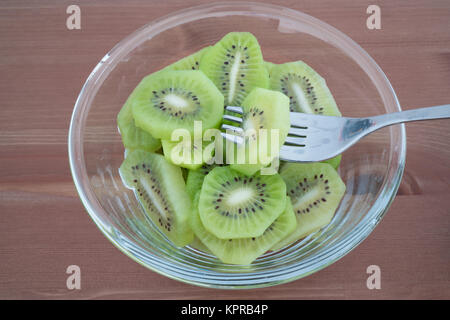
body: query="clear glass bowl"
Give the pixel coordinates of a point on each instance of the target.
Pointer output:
(372, 169)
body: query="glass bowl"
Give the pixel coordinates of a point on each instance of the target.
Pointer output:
(372, 169)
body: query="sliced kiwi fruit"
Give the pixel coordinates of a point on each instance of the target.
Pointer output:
(169, 100)
(132, 136)
(191, 62)
(263, 110)
(183, 153)
(315, 190)
(185, 173)
(199, 246)
(307, 91)
(195, 179)
(235, 65)
(160, 188)
(235, 212)
(244, 250)
(136, 138)
(334, 162)
(234, 205)
(269, 65)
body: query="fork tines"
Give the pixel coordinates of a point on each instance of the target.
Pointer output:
(295, 136)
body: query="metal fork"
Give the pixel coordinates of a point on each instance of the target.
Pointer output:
(316, 137)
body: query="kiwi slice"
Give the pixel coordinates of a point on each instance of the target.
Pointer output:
(136, 138)
(183, 153)
(184, 172)
(195, 179)
(267, 110)
(244, 250)
(132, 136)
(316, 191)
(199, 246)
(334, 162)
(191, 62)
(307, 91)
(234, 205)
(160, 188)
(235, 65)
(169, 100)
(269, 65)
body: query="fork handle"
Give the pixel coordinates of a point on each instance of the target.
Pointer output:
(429, 113)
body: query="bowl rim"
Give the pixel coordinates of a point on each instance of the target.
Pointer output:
(99, 73)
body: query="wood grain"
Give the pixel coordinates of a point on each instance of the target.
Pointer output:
(44, 227)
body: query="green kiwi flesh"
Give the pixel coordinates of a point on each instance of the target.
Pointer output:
(199, 246)
(334, 162)
(160, 189)
(191, 62)
(235, 65)
(136, 138)
(132, 136)
(183, 153)
(263, 109)
(244, 250)
(234, 205)
(315, 190)
(307, 91)
(170, 100)
(269, 65)
(195, 179)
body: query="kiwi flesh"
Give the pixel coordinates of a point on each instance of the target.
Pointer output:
(159, 186)
(136, 138)
(191, 62)
(315, 190)
(199, 246)
(269, 65)
(132, 136)
(244, 250)
(267, 110)
(235, 65)
(195, 179)
(334, 162)
(307, 91)
(185, 173)
(183, 153)
(234, 205)
(169, 100)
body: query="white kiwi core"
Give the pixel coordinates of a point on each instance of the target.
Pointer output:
(240, 196)
(145, 184)
(176, 101)
(303, 102)
(233, 76)
(308, 197)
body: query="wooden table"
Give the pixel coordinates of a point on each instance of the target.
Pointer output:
(44, 228)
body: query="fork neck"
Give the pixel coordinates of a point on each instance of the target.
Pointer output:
(430, 113)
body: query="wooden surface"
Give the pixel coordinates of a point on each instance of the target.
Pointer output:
(44, 228)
